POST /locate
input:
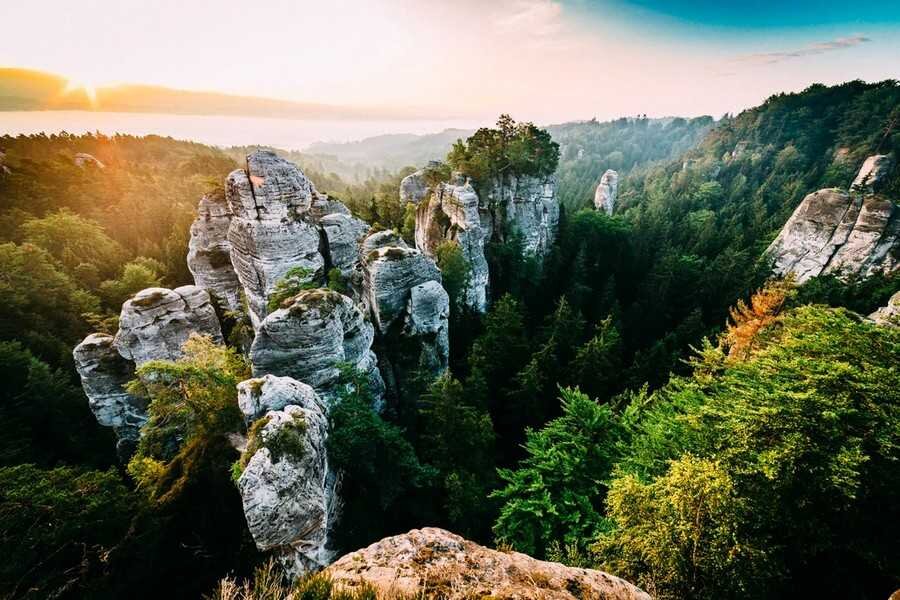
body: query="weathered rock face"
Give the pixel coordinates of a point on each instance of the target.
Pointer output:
(456, 569)
(873, 172)
(342, 236)
(209, 252)
(414, 187)
(268, 232)
(104, 374)
(307, 340)
(452, 213)
(605, 196)
(840, 233)
(258, 396)
(888, 315)
(527, 205)
(83, 159)
(409, 307)
(289, 498)
(156, 322)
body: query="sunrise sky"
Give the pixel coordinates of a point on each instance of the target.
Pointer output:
(538, 59)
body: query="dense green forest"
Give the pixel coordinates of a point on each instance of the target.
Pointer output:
(625, 405)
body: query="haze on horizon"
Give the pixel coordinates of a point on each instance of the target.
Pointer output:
(540, 60)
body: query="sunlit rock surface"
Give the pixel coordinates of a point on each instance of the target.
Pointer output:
(457, 569)
(289, 495)
(156, 322)
(104, 374)
(258, 396)
(209, 252)
(607, 189)
(872, 173)
(311, 337)
(888, 314)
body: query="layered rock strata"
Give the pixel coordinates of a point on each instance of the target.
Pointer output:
(209, 252)
(258, 396)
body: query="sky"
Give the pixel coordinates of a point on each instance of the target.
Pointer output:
(540, 60)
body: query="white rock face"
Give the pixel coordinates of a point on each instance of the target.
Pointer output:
(404, 564)
(414, 187)
(874, 170)
(605, 196)
(888, 315)
(268, 233)
(258, 396)
(157, 322)
(409, 306)
(289, 500)
(83, 159)
(343, 234)
(309, 338)
(855, 234)
(527, 205)
(452, 213)
(209, 252)
(104, 374)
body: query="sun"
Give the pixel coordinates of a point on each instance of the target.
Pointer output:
(76, 84)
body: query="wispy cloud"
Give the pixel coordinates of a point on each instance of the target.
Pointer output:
(541, 18)
(769, 58)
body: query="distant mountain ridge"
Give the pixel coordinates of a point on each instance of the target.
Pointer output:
(26, 89)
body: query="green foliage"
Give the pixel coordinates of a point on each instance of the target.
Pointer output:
(136, 275)
(287, 440)
(511, 149)
(268, 583)
(455, 272)
(378, 466)
(556, 494)
(56, 527)
(294, 281)
(336, 281)
(192, 408)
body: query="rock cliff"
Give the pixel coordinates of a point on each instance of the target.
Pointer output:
(527, 205)
(258, 396)
(889, 314)
(104, 374)
(286, 488)
(156, 322)
(450, 567)
(848, 234)
(209, 252)
(607, 189)
(311, 336)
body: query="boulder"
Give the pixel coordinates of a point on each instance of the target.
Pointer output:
(309, 338)
(287, 491)
(888, 315)
(454, 568)
(104, 374)
(847, 234)
(605, 196)
(268, 232)
(258, 396)
(156, 322)
(452, 214)
(209, 252)
(873, 172)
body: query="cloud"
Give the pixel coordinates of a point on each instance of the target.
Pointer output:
(769, 58)
(540, 18)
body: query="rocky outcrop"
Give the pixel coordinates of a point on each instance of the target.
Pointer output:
(453, 568)
(409, 307)
(415, 186)
(605, 196)
(209, 252)
(286, 488)
(309, 338)
(847, 234)
(342, 234)
(889, 314)
(83, 159)
(527, 205)
(156, 322)
(258, 396)
(104, 374)
(451, 213)
(873, 173)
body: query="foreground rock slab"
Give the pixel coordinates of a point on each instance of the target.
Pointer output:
(447, 566)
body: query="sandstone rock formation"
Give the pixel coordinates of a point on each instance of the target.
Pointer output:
(854, 233)
(414, 187)
(873, 172)
(258, 396)
(342, 234)
(451, 213)
(209, 252)
(454, 568)
(409, 307)
(104, 374)
(83, 159)
(287, 490)
(317, 331)
(605, 196)
(527, 205)
(889, 314)
(156, 322)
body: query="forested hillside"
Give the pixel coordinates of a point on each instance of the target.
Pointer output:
(640, 399)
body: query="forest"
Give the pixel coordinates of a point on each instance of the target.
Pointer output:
(646, 401)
